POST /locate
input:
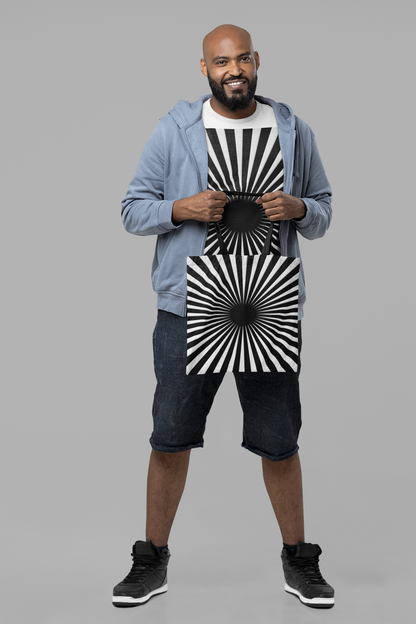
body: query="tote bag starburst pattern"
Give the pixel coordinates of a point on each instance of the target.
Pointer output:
(242, 312)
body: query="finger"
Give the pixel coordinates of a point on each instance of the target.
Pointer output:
(275, 203)
(215, 206)
(219, 203)
(273, 212)
(268, 197)
(217, 210)
(274, 217)
(269, 210)
(219, 195)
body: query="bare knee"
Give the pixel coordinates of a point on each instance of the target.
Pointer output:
(283, 465)
(170, 460)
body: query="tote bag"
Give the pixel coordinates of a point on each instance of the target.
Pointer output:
(242, 311)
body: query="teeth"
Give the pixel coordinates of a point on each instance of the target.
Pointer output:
(235, 83)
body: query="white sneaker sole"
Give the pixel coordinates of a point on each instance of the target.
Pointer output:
(313, 602)
(129, 600)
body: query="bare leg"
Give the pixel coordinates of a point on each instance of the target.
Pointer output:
(283, 480)
(165, 484)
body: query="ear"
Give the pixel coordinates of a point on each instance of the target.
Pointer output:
(204, 67)
(257, 59)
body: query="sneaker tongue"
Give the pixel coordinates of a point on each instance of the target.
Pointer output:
(307, 550)
(145, 549)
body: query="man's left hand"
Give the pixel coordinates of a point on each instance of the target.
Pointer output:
(280, 206)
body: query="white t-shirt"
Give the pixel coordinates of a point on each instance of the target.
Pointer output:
(243, 157)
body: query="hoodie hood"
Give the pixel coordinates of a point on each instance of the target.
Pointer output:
(187, 113)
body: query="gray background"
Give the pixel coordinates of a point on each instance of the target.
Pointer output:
(84, 84)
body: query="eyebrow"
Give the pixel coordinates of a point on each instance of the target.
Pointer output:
(218, 58)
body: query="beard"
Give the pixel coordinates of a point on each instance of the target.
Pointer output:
(237, 101)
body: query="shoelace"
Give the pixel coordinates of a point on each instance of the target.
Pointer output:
(140, 569)
(309, 568)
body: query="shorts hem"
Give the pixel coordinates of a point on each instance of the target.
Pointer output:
(279, 457)
(173, 449)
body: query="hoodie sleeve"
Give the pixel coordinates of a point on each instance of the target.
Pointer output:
(315, 188)
(144, 210)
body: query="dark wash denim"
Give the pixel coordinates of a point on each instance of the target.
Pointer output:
(270, 401)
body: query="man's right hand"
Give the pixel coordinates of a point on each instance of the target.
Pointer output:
(206, 206)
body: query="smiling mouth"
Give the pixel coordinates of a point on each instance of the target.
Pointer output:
(235, 83)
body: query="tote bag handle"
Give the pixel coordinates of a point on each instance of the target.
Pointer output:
(267, 243)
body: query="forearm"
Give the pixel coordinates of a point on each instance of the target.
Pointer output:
(317, 218)
(180, 211)
(300, 211)
(146, 217)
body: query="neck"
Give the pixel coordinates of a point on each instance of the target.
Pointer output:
(221, 109)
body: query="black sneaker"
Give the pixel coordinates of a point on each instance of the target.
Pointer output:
(303, 577)
(147, 577)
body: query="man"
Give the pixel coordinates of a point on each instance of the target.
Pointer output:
(231, 141)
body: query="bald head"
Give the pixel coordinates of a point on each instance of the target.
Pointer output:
(230, 64)
(226, 32)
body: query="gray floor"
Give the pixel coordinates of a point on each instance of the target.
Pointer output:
(59, 580)
(63, 552)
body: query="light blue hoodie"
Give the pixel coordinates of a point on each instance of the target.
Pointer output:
(174, 165)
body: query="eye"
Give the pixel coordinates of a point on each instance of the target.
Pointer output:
(246, 59)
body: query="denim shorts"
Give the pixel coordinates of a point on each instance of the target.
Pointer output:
(270, 401)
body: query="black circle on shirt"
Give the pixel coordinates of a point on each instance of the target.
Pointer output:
(241, 215)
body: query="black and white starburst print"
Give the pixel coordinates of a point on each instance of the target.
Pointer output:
(244, 163)
(242, 314)
(243, 227)
(246, 160)
(242, 299)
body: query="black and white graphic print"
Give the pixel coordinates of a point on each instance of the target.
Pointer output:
(244, 161)
(242, 313)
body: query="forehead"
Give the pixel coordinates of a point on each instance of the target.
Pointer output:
(229, 44)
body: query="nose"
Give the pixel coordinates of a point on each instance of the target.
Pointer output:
(234, 68)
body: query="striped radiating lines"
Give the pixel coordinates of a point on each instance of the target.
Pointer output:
(242, 313)
(244, 161)
(244, 228)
